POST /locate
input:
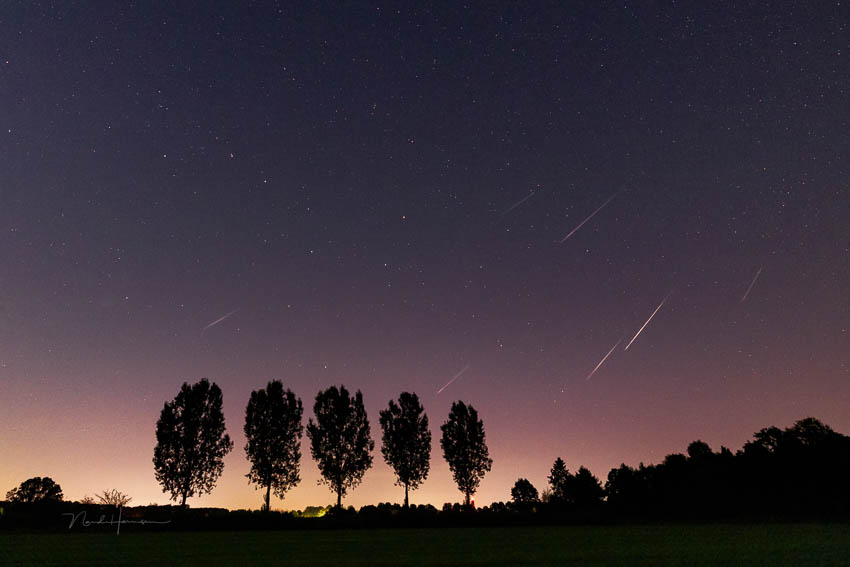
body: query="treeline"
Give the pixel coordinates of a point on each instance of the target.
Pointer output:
(795, 473)
(192, 443)
(798, 471)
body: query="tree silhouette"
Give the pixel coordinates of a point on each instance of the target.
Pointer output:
(797, 471)
(465, 449)
(808, 432)
(626, 489)
(699, 450)
(406, 441)
(584, 490)
(113, 498)
(191, 442)
(767, 440)
(559, 479)
(340, 440)
(273, 431)
(36, 489)
(524, 492)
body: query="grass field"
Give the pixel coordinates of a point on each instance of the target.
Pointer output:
(761, 544)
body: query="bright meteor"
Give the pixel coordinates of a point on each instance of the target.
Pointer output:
(602, 206)
(219, 320)
(456, 376)
(647, 323)
(604, 358)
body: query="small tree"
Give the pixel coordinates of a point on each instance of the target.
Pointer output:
(559, 479)
(524, 492)
(465, 449)
(340, 439)
(406, 441)
(36, 489)
(113, 498)
(273, 431)
(190, 441)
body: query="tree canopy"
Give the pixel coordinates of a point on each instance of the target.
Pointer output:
(465, 449)
(273, 431)
(584, 489)
(406, 441)
(796, 470)
(340, 439)
(524, 492)
(191, 442)
(36, 489)
(559, 478)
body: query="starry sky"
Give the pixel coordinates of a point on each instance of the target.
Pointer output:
(385, 195)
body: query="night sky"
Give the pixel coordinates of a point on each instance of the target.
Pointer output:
(386, 197)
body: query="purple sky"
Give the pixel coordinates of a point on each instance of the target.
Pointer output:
(379, 197)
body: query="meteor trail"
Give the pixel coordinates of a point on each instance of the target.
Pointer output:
(456, 376)
(602, 206)
(518, 203)
(219, 320)
(752, 283)
(604, 358)
(647, 323)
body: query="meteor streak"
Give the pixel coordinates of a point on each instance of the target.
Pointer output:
(581, 224)
(456, 376)
(518, 203)
(604, 358)
(752, 283)
(647, 323)
(219, 320)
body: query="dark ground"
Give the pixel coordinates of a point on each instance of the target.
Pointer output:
(714, 544)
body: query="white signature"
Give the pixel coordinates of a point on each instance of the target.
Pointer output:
(102, 521)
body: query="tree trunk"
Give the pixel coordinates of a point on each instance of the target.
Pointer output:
(339, 499)
(467, 498)
(268, 497)
(406, 503)
(187, 485)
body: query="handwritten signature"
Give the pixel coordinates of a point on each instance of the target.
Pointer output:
(102, 521)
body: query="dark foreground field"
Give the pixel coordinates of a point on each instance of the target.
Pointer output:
(767, 544)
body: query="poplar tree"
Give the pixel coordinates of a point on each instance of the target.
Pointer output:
(406, 441)
(465, 448)
(190, 441)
